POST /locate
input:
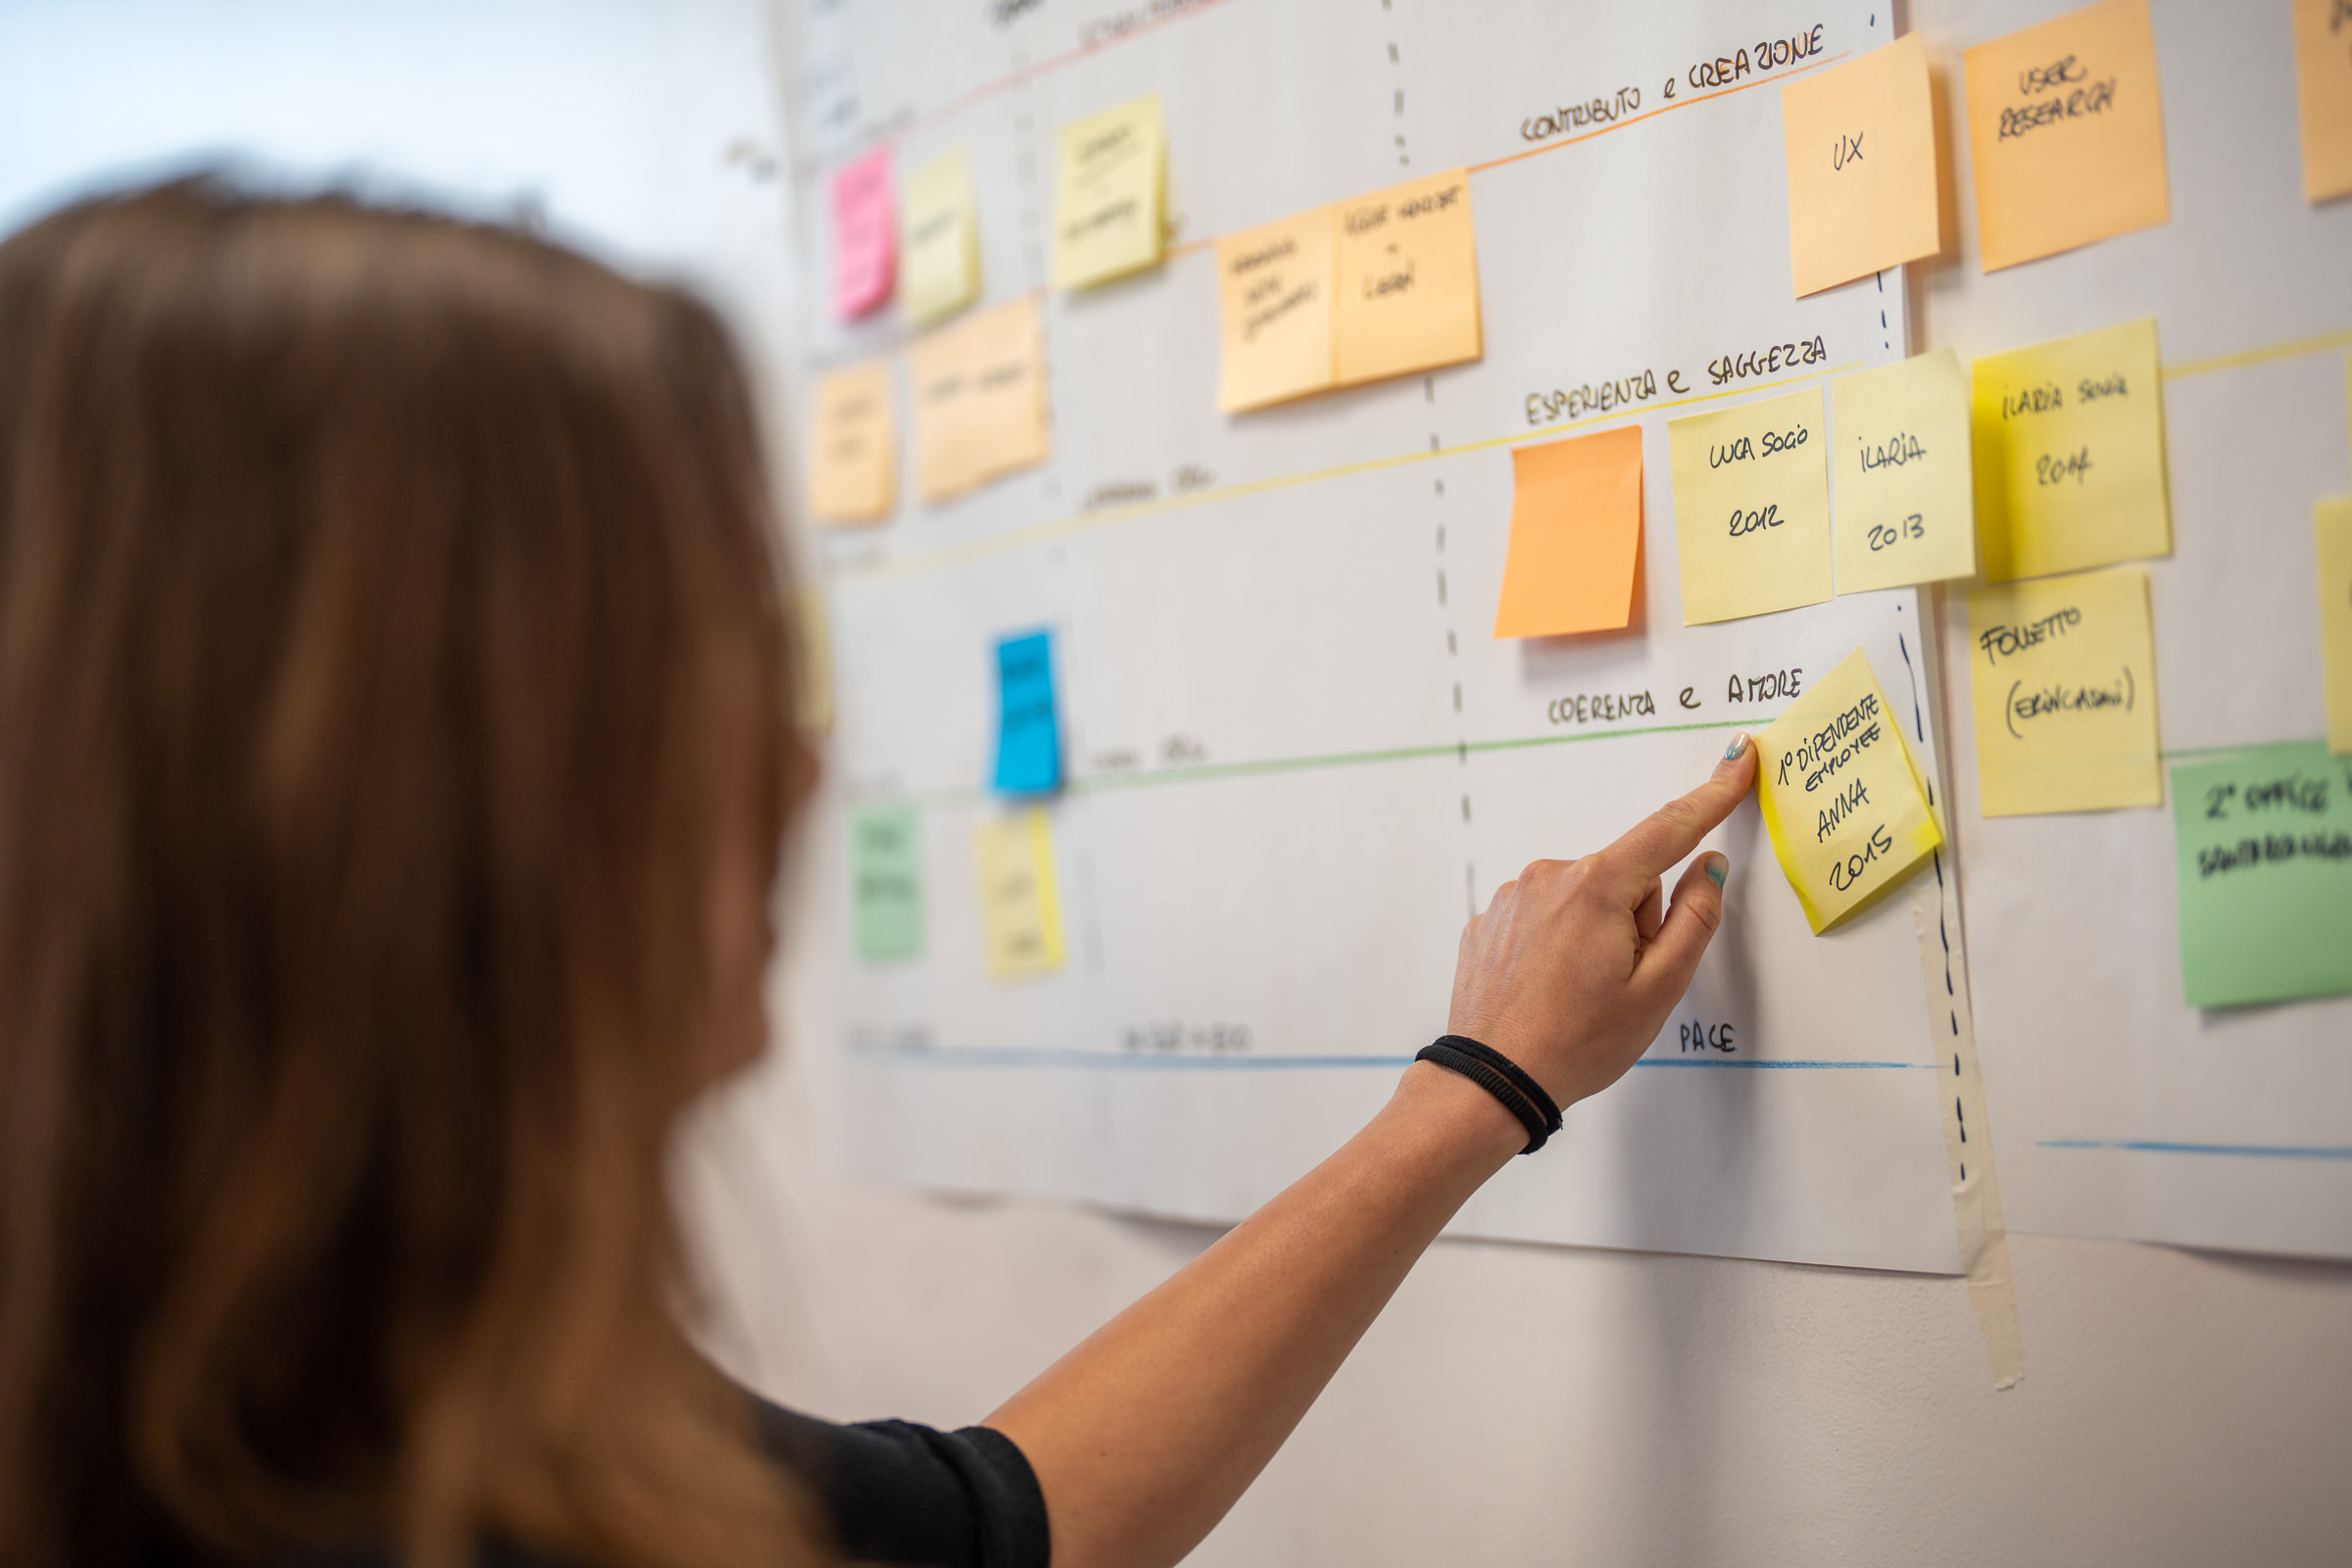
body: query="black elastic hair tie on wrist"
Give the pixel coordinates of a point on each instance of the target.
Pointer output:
(1498, 1075)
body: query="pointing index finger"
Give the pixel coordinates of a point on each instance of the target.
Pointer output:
(1654, 845)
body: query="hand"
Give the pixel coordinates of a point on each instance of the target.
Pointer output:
(1574, 966)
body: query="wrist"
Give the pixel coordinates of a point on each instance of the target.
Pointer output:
(1449, 1107)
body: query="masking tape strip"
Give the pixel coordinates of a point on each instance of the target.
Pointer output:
(1967, 1129)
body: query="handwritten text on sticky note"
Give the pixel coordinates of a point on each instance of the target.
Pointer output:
(939, 240)
(1901, 473)
(1028, 729)
(1107, 220)
(2062, 681)
(1407, 289)
(1861, 147)
(1752, 507)
(852, 462)
(1020, 910)
(979, 393)
(886, 882)
(1575, 534)
(1274, 291)
(2066, 132)
(2264, 840)
(863, 239)
(1841, 798)
(2331, 524)
(2069, 451)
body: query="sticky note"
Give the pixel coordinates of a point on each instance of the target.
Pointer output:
(1752, 507)
(1860, 140)
(1841, 795)
(863, 239)
(1107, 220)
(979, 389)
(2066, 133)
(2263, 839)
(1407, 298)
(886, 882)
(1020, 915)
(2332, 521)
(1576, 530)
(939, 240)
(2069, 444)
(2062, 679)
(2323, 95)
(1900, 474)
(1274, 291)
(852, 462)
(1028, 730)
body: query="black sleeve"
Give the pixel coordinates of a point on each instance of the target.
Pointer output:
(902, 1493)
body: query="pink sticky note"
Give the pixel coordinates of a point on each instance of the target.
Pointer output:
(864, 234)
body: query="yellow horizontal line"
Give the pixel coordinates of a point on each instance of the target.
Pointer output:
(2276, 350)
(950, 556)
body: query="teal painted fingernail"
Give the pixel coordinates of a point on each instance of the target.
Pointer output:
(1738, 744)
(1718, 869)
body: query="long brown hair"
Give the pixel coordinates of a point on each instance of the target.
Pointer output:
(381, 596)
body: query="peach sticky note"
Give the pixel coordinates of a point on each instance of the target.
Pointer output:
(2323, 95)
(1861, 147)
(1841, 795)
(1407, 289)
(2066, 131)
(2069, 451)
(1576, 529)
(979, 391)
(852, 462)
(1106, 222)
(1901, 476)
(2332, 521)
(1752, 507)
(1274, 290)
(939, 240)
(1020, 913)
(2062, 678)
(863, 237)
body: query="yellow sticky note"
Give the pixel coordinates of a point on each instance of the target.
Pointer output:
(1841, 795)
(2062, 678)
(2332, 521)
(852, 462)
(1106, 222)
(1576, 532)
(2069, 451)
(2066, 131)
(1752, 507)
(2323, 95)
(1860, 140)
(1900, 474)
(1021, 913)
(939, 240)
(979, 391)
(1274, 288)
(1407, 289)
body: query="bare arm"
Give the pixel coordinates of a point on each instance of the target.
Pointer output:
(1145, 1434)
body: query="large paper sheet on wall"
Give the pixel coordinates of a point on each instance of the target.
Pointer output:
(1297, 760)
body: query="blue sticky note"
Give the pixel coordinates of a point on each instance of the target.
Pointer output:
(1028, 733)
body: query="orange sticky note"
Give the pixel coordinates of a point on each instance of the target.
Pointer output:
(1861, 148)
(1576, 528)
(852, 462)
(1274, 286)
(2323, 95)
(1406, 297)
(979, 399)
(2067, 131)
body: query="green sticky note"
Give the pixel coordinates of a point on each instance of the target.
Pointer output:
(886, 882)
(2264, 841)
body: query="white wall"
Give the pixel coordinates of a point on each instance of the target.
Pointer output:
(1517, 1405)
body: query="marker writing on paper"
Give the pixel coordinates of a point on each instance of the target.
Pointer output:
(2007, 642)
(1739, 448)
(1771, 52)
(1777, 685)
(1595, 111)
(1836, 744)
(1892, 452)
(1606, 708)
(1847, 151)
(1699, 1035)
(1844, 873)
(2046, 701)
(1883, 534)
(1768, 361)
(1547, 408)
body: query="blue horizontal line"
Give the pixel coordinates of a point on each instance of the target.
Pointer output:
(1001, 1056)
(2149, 1145)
